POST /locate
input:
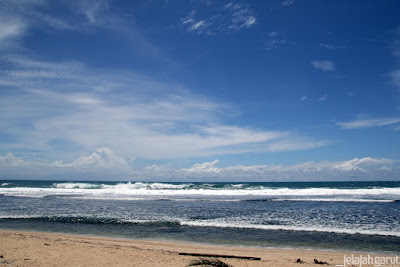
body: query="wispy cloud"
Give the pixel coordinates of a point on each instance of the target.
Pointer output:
(324, 65)
(287, 2)
(71, 104)
(10, 30)
(295, 144)
(199, 25)
(322, 98)
(395, 74)
(194, 25)
(230, 17)
(93, 10)
(242, 16)
(62, 100)
(22, 68)
(332, 47)
(276, 40)
(30, 14)
(361, 123)
(18, 17)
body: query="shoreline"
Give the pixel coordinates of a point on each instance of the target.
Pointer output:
(29, 248)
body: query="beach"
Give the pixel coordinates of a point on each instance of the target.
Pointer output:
(23, 248)
(179, 133)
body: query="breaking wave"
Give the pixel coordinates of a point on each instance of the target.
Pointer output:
(204, 191)
(77, 185)
(291, 228)
(200, 223)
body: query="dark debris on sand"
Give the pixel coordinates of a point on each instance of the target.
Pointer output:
(320, 262)
(209, 262)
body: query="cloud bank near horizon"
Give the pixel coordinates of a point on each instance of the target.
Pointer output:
(104, 164)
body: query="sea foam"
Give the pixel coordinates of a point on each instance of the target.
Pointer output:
(206, 191)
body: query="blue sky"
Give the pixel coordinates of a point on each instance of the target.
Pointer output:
(280, 90)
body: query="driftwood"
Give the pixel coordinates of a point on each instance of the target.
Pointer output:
(220, 256)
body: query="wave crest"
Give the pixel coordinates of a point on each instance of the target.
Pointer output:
(216, 191)
(76, 185)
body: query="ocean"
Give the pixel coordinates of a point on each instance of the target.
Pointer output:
(358, 216)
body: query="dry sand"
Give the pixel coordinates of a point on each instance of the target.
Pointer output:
(19, 248)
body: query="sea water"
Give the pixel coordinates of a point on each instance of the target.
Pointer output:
(362, 216)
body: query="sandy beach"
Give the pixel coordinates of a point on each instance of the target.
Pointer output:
(19, 248)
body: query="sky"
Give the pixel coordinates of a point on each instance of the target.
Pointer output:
(206, 90)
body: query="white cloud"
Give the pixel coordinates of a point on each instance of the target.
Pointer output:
(105, 164)
(363, 164)
(171, 130)
(359, 168)
(101, 164)
(361, 123)
(205, 167)
(324, 65)
(176, 124)
(103, 158)
(10, 30)
(69, 103)
(10, 160)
